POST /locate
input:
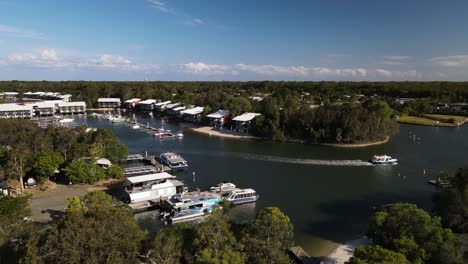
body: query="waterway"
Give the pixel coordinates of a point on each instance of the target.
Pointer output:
(327, 192)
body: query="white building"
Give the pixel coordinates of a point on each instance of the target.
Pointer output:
(192, 114)
(219, 118)
(131, 103)
(243, 121)
(71, 108)
(16, 111)
(162, 105)
(9, 95)
(152, 187)
(147, 105)
(108, 102)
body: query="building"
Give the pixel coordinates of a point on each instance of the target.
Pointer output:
(243, 121)
(108, 102)
(71, 108)
(147, 105)
(171, 106)
(16, 111)
(175, 111)
(11, 187)
(161, 106)
(46, 96)
(131, 103)
(192, 115)
(9, 95)
(46, 108)
(152, 187)
(219, 118)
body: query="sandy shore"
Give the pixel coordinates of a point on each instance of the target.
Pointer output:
(344, 252)
(358, 145)
(225, 133)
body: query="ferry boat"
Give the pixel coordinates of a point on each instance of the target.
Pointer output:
(174, 161)
(187, 207)
(223, 186)
(383, 160)
(167, 134)
(241, 196)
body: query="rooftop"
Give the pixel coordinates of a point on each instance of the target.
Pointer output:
(108, 100)
(150, 177)
(246, 117)
(218, 114)
(193, 111)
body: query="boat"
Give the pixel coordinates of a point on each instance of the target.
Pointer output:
(66, 120)
(187, 207)
(116, 119)
(223, 187)
(167, 134)
(383, 160)
(136, 126)
(174, 161)
(241, 196)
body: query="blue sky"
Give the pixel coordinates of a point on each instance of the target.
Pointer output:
(233, 40)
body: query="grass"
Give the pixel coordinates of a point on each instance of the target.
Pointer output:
(429, 122)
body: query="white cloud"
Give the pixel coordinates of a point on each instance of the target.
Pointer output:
(17, 32)
(384, 73)
(205, 69)
(159, 5)
(198, 21)
(398, 75)
(451, 61)
(273, 70)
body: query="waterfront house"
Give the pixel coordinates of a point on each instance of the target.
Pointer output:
(147, 105)
(175, 111)
(71, 108)
(108, 102)
(131, 103)
(192, 115)
(171, 106)
(152, 187)
(161, 106)
(243, 121)
(16, 111)
(219, 118)
(9, 95)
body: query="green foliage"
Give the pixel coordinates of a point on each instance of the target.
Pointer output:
(115, 172)
(94, 230)
(84, 172)
(412, 232)
(12, 213)
(167, 246)
(116, 152)
(451, 203)
(45, 164)
(378, 106)
(269, 236)
(377, 254)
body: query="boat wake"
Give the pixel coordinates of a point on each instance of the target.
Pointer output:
(306, 161)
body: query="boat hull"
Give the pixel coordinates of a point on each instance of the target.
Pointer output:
(244, 200)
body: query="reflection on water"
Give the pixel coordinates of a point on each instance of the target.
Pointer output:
(327, 192)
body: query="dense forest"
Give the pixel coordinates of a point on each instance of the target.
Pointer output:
(29, 151)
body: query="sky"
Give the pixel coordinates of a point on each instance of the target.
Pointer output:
(295, 40)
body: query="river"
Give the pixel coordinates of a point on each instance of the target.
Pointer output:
(327, 192)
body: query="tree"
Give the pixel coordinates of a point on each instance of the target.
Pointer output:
(167, 246)
(45, 164)
(452, 203)
(408, 230)
(378, 106)
(115, 172)
(215, 243)
(116, 152)
(377, 254)
(13, 210)
(99, 233)
(269, 236)
(84, 172)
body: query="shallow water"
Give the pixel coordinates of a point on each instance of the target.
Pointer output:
(327, 192)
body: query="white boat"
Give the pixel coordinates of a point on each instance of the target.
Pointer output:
(66, 120)
(223, 187)
(117, 119)
(135, 126)
(241, 196)
(174, 161)
(185, 207)
(383, 160)
(167, 134)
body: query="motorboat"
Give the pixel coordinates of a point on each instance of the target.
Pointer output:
(241, 196)
(167, 134)
(187, 207)
(66, 120)
(174, 161)
(383, 160)
(223, 187)
(136, 126)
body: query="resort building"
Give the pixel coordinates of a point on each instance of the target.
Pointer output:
(243, 121)
(192, 115)
(46, 108)
(47, 96)
(9, 95)
(171, 106)
(131, 103)
(16, 111)
(108, 102)
(175, 111)
(161, 106)
(219, 118)
(71, 108)
(147, 105)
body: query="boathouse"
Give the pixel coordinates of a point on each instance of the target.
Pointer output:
(175, 111)
(131, 103)
(108, 102)
(192, 115)
(219, 118)
(161, 106)
(243, 121)
(147, 105)
(171, 106)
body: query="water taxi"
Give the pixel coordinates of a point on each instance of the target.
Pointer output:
(187, 207)
(383, 160)
(174, 161)
(223, 187)
(241, 196)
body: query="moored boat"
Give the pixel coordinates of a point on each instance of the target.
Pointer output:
(241, 196)
(136, 126)
(383, 160)
(186, 207)
(174, 161)
(223, 187)
(167, 134)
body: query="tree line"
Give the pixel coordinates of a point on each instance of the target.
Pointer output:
(28, 150)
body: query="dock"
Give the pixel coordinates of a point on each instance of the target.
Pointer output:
(154, 167)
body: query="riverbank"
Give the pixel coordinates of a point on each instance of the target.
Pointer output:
(224, 133)
(434, 120)
(344, 252)
(356, 145)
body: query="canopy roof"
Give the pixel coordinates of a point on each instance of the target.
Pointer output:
(219, 114)
(193, 111)
(150, 177)
(108, 100)
(245, 117)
